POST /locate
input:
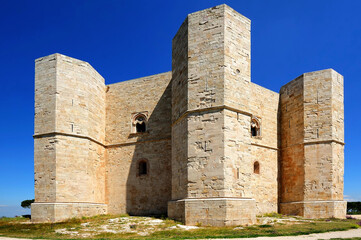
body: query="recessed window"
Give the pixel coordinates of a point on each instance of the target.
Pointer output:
(254, 131)
(140, 127)
(143, 168)
(139, 123)
(255, 127)
(256, 169)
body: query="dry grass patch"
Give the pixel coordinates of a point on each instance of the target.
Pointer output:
(125, 227)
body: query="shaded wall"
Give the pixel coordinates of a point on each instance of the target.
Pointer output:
(127, 192)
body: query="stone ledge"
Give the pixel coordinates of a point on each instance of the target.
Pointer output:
(51, 134)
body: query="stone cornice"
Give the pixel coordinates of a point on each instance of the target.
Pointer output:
(48, 134)
(264, 146)
(324, 141)
(316, 142)
(219, 108)
(138, 142)
(97, 142)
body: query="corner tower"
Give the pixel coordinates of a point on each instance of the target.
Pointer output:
(210, 89)
(312, 146)
(68, 140)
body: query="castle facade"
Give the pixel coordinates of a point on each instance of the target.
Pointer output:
(202, 143)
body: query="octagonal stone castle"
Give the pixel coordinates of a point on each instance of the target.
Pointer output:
(202, 144)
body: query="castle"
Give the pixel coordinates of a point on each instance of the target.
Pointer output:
(202, 143)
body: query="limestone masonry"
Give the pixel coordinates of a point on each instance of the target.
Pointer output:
(201, 144)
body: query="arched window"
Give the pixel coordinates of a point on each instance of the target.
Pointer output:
(256, 167)
(255, 127)
(139, 123)
(143, 168)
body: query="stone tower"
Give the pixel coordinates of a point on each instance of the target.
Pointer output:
(213, 147)
(68, 140)
(312, 135)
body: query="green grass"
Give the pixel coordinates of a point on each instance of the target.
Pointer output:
(274, 215)
(18, 227)
(261, 230)
(14, 219)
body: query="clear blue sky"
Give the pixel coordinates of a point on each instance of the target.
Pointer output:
(129, 39)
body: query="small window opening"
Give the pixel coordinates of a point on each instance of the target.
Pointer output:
(255, 127)
(143, 168)
(139, 124)
(140, 127)
(254, 131)
(256, 167)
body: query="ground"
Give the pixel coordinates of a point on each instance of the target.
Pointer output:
(126, 227)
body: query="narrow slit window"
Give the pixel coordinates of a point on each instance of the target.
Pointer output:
(255, 127)
(253, 131)
(143, 168)
(256, 169)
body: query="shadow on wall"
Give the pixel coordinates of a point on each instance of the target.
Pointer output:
(148, 186)
(279, 157)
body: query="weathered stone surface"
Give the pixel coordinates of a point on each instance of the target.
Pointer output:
(55, 212)
(214, 211)
(202, 143)
(213, 150)
(312, 145)
(315, 209)
(69, 134)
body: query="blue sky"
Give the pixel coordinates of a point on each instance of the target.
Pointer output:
(129, 39)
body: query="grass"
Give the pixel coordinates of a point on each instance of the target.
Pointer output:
(20, 227)
(261, 230)
(14, 219)
(273, 215)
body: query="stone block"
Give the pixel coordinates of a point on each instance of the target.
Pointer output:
(213, 211)
(57, 212)
(315, 209)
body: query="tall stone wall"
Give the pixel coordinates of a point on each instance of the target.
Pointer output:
(127, 191)
(44, 122)
(243, 150)
(69, 134)
(205, 40)
(237, 60)
(292, 151)
(264, 149)
(179, 88)
(313, 144)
